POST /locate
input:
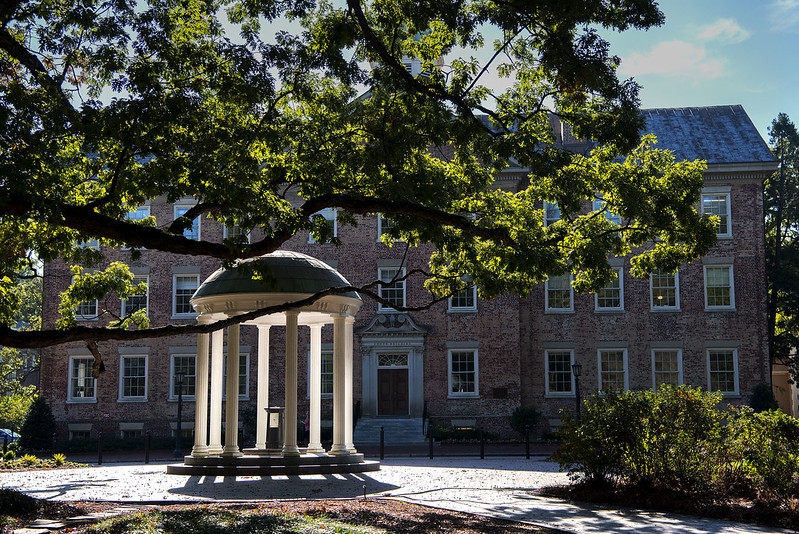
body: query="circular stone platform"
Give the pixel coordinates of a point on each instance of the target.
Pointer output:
(259, 465)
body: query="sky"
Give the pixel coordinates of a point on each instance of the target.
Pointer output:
(718, 52)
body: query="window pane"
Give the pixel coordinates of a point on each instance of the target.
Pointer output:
(610, 295)
(612, 370)
(81, 381)
(194, 231)
(134, 377)
(722, 370)
(667, 369)
(559, 372)
(664, 289)
(464, 298)
(718, 286)
(463, 372)
(393, 292)
(135, 303)
(551, 213)
(187, 365)
(717, 205)
(559, 292)
(327, 373)
(185, 286)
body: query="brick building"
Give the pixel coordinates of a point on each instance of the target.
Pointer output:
(467, 361)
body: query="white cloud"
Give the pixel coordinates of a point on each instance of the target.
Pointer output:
(784, 14)
(726, 30)
(675, 59)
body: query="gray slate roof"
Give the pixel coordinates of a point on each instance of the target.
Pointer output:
(284, 272)
(718, 134)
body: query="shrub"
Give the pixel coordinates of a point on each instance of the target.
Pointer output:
(29, 460)
(37, 430)
(59, 459)
(669, 439)
(9, 456)
(524, 416)
(767, 457)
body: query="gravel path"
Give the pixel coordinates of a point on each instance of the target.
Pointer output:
(500, 487)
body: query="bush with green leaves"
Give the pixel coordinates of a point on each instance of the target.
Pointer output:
(524, 417)
(767, 453)
(681, 440)
(762, 398)
(37, 431)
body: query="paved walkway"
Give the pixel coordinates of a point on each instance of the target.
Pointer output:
(501, 487)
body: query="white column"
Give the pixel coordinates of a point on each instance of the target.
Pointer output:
(232, 394)
(201, 398)
(215, 409)
(315, 387)
(263, 386)
(349, 321)
(338, 386)
(290, 444)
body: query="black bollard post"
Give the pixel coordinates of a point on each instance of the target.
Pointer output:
(55, 442)
(382, 443)
(527, 441)
(147, 439)
(430, 437)
(99, 448)
(482, 444)
(5, 445)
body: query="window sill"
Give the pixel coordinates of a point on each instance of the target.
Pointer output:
(82, 401)
(462, 310)
(183, 316)
(608, 310)
(720, 309)
(557, 311)
(463, 396)
(132, 399)
(560, 396)
(186, 398)
(664, 309)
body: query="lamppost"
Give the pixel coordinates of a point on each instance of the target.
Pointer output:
(576, 370)
(179, 383)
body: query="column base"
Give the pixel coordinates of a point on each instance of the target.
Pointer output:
(314, 447)
(199, 452)
(291, 451)
(338, 449)
(214, 450)
(232, 452)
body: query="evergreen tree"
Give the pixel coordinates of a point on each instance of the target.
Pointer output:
(39, 426)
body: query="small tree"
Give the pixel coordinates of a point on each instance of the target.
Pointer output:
(524, 416)
(38, 428)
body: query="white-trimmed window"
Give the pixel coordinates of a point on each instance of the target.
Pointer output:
(327, 373)
(463, 373)
(244, 375)
(183, 287)
(391, 287)
(613, 370)
(718, 204)
(188, 364)
(722, 370)
(194, 231)
(86, 310)
(235, 232)
(611, 296)
(139, 214)
(664, 291)
(384, 226)
(331, 221)
(82, 386)
(719, 287)
(464, 300)
(134, 303)
(666, 367)
(551, 213)
(615, 218)
(559, 379)
(131, 430)
(559, 294)
(133, 378)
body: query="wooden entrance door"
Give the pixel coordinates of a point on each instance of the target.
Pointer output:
(392, 391)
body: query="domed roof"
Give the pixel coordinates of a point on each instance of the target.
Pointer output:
(283, 271)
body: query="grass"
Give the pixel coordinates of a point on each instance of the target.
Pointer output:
(212, 520)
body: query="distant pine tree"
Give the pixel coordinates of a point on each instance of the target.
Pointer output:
(38, 428)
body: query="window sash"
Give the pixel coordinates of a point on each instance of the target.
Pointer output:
(134, 377)
(612, 370)
(551, 213)
(560, 380)
(664, 289)
(185, 286)
(666, 367)
(393, 292)
(188, 364)
(463, 372)
(194, 231)
(134, 303)
(463, 299)
(721, 370)
(327, 372)
(718, 205)
(609, 297)
(559, 292)
(718, 287)
(81, 383)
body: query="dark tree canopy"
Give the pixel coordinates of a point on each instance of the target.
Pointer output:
(782, 244)
(107, 103)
